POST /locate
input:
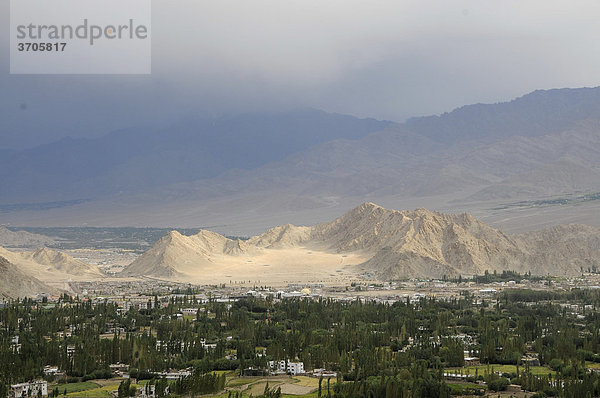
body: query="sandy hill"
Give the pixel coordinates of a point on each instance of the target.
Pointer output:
(282, 236)
(420, 243)
(14, 283)
(372, 240)
(174, 253)
(10, 238)
(51, 266)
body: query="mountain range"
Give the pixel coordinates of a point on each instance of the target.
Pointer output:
(139, 158)
(247, 173)
(371, 241)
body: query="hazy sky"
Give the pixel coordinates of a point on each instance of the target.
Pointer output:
(384, 59)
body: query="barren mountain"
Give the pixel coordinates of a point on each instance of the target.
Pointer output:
(135, 159)
(538, 113)
(541, 146)
(49, 265)
(281, 237)
(372, 240)
(174, 253)
(570, 248)
(9, 238)
(401, 164)
(14, 283)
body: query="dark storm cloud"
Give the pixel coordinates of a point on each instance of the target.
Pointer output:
(385, 59)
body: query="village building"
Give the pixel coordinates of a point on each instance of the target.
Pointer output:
(32, 389)
(119, 369)
(293, 368)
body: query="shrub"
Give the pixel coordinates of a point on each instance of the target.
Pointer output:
(499, 384)
(555, 364)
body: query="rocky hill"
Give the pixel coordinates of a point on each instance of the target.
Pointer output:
(175, 252)
(14, 283)
(49, 265)
(394, 244)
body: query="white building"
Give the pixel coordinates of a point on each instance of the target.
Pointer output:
(324, 373)
(50, 370)
(129, 302)
(14, 343)
(118, 369)
(32, 389)
(206, 346)
(277, 366)
(295, 368)
(174, 375)
(70, 351)
(292, 368)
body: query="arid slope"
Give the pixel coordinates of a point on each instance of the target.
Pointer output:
(371, 241)
(15, 283)
(51, 266)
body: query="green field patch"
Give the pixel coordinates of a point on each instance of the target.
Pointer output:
(101, 392)
(74, 387)
(311, 395)
(592, 365)
(464, 388)
(225, 372)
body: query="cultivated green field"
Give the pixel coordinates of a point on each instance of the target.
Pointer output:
(75, 387)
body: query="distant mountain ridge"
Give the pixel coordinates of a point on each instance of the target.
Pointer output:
(396, 244)
(134, 159)
(541, 146)
(9, 238)
(417, 159)
(397, 161)
(538, 113)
